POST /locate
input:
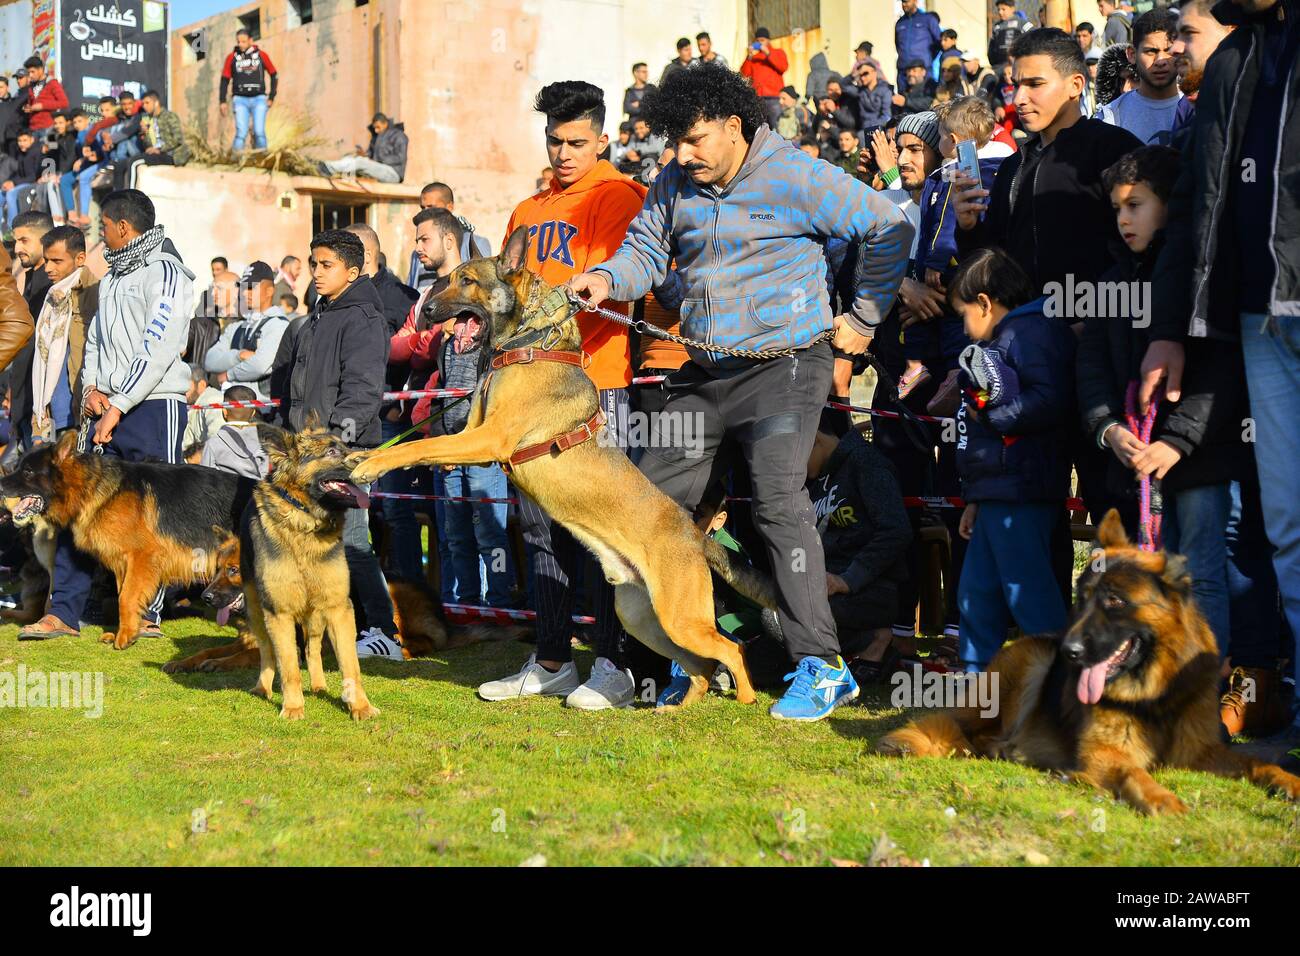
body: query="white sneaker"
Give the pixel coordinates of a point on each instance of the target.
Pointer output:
(373, 642)
(606, 687)
(533, 680)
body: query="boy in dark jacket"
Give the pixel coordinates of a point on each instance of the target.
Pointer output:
(1017, 386)
(865, 534)
(941, 340)
(336, 360)
(1195, 448)
(23, 179)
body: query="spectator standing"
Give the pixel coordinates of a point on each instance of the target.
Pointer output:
(1150, 111)
(947, 45)
(45, 95)
(12, 117)
(29, 227)
(160, 135)
(707, 54)
(765, 67)
(1117, 28)
(685, 55)
(982, 80)
(916, 37)
(255, 82)
(383, 160)
(134, 380)
(61, 148)
(635, 94)
(1006, 30)
(246, 351)
(203, 402)
(440, 196)
(286, 280)
(60, 334)
(1199, 35)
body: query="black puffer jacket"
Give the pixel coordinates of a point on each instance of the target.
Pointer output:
(1206, 426)
(336, 362)
(1196, 285)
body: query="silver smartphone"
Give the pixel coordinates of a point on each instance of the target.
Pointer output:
(967, 160)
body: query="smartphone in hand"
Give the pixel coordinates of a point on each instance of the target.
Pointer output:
(967, 160)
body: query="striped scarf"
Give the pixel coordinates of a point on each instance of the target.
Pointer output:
(133, 255)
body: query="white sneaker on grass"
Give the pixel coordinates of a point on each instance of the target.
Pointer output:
(532, 681)
(606, 687)
(373, 642)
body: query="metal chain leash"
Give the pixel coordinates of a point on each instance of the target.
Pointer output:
(645, 328)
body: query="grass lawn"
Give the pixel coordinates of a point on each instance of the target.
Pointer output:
(192, 770)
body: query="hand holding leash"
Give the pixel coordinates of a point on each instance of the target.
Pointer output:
(848, 339)
(106, 424)
(594, 284)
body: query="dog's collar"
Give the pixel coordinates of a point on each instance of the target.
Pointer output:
(525, 356)
(291, 499)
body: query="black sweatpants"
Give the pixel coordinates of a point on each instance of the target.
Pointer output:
(767, 412)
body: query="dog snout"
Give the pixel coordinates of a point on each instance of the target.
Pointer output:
(1072, 648)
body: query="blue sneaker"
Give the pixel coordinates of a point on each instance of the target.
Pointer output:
(818, 688)
(672, 695)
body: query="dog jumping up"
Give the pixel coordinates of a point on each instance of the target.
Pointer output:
(1131, 688)
(537, 413)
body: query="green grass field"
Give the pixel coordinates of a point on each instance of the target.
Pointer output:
(192, 770)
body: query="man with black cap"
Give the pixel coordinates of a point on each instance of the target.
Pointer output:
(246, 350)
(384, 160)
(765, 68)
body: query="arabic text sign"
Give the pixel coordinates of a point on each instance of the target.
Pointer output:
(108, 47)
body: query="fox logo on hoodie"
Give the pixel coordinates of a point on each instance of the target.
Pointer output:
(550, 240)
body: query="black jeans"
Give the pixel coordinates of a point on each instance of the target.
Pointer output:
(556, 562)
(767, 412)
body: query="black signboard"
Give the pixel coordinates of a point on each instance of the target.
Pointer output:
(108, 46)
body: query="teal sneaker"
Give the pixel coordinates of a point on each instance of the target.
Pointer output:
(817, 689)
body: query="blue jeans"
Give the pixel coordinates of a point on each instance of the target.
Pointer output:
(125, 150)
(1260, 636)
(369, 589)
(246, 108)
(1272, 351)
(1007, 575)
(447, 566)
(1195, 525)
(405, 553)
(477, 531)
(15, 200)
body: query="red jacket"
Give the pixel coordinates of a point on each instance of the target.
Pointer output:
(766, 71)
(53, 99)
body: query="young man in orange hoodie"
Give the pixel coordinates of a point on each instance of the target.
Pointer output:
(576, 224)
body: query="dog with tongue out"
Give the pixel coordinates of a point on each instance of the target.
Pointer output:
(1132, 687)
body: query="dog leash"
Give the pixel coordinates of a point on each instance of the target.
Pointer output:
(420, 424)
(643, 327)
(1150, 501)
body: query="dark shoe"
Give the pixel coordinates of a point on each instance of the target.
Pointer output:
(875, 672)
(47, 627)
(1257, 702)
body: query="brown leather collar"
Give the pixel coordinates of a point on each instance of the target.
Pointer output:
(531, 354)
(584, 432)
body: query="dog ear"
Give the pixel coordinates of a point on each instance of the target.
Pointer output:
(65, 447)
(514, 252)
(1176, 575)
(1111, 533)
(275, 440)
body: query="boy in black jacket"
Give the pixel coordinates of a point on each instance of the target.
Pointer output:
(336, 362)
(1195, 449)
(23, 180)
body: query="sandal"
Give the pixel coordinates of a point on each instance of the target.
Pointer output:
(911, 380)
(47, 627)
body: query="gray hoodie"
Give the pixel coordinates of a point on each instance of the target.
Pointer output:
(751, 256)
(134, 343)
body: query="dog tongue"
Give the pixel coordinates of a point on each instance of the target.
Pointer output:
(465, 332)
(1092, 681)
(362, 499)
(223, 615)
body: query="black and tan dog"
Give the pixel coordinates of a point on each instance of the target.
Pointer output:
(150, 523)
(538, 413)
(1131, 688)
(293, 567)
(422, 629)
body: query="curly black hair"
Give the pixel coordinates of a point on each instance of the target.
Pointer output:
(1110, 73)
(706, 92)
(569, 100)
(1157, 166)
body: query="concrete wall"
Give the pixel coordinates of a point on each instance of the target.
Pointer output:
(246, 216)
(15, 34)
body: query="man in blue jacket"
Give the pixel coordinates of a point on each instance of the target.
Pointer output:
(745, 215)
(916, 37)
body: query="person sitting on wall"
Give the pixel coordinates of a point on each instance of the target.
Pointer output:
(384, 160)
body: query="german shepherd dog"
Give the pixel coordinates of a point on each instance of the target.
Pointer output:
(422, 629)
(1132, 687)
(648, 547)
(293, 568)
(150, 523)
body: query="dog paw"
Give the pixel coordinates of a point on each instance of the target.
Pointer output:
(320, 688)
(292, 713)
(108, 637)
(368, 712)
(257, 690)
(1163, 803)
(893, 747)
(207, 667)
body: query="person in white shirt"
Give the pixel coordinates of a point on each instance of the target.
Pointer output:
(246, 350)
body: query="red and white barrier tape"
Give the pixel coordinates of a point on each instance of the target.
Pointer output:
(503, 615)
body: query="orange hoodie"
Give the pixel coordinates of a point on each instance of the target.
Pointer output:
(571, 230)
